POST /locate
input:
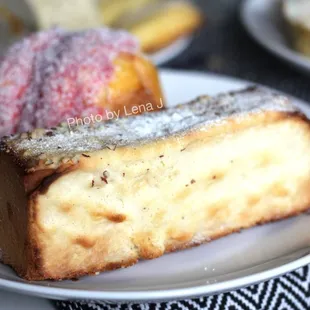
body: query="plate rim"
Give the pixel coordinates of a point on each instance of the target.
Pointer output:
(154, 295)
(279, 50)
(33, 289)
(171, 51)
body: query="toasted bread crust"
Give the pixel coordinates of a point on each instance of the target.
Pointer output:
(57, 147)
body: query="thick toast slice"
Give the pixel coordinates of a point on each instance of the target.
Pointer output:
(81, 201)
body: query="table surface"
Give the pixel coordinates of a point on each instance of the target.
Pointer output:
(12, 301)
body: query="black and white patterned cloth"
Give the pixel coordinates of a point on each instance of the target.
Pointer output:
(223, 46)
(289, 292)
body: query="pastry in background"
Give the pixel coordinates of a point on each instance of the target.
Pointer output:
(15, 24)
(296, 15)
(54, 75)
(172, 21)
(82, 14)
(68, 14)
(112, 11)
(156, 23)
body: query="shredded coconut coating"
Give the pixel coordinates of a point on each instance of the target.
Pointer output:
(53, 75)
(200, 114)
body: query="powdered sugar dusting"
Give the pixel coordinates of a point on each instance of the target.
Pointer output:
(56, 74)
(199, 114)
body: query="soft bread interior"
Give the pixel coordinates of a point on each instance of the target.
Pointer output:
(135, 203)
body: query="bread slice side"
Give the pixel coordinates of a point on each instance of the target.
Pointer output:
(161, 191)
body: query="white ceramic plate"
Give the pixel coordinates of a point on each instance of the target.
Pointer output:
(262, 19)
(238, 260)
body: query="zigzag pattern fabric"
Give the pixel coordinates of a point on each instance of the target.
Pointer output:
(289, 292)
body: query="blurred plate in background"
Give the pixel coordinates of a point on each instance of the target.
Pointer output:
(16, 21)
(170, 52)
(262, 19)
